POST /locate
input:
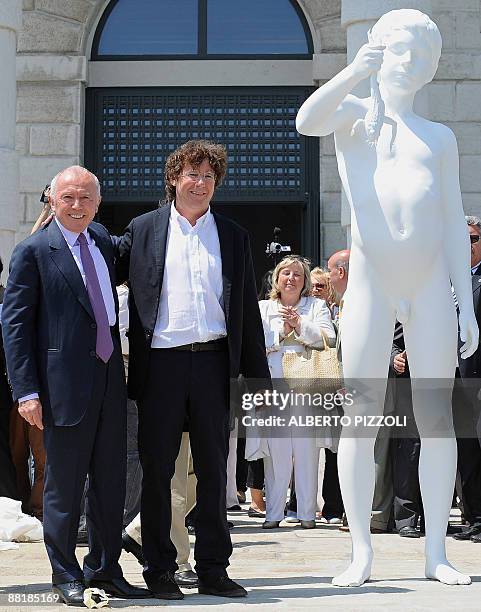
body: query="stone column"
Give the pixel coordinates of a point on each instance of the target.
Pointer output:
(357, 17)
(10, 23)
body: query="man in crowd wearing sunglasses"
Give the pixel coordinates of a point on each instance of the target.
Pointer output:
(466, 406)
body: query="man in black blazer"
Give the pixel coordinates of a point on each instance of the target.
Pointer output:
(65, 365)
(194, 323)
(466, 406)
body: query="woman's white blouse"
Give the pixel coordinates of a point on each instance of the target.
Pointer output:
(315, 319)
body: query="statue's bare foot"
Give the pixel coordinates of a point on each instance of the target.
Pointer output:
(357, 573)
(443, 571)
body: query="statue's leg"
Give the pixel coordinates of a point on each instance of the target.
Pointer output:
(367, 327)
(431, 342)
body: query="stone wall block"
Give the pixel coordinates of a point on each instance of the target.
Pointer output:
(468, 135)
(456, 66)
(456, 5)
(55, 139)
(333, 238)
(327, 145)
(330, 180)
(28, 5)
(9, 190)
(470, 173)
(472, 204)
(468, 35)
(42, 103)
(45, 33)
(75, 9)
(21, 138)
(440, 96)
(36, 172)
(327, 65)
(331, 207)
(319, 10)
(51, 68)
(468, 98)
(332, 36)
(446, 25)
(354, 10)
(33, 206)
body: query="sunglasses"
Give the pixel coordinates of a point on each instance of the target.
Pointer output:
(322, 285)
(474, 239)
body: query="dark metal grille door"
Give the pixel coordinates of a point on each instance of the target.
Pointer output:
(130, 132)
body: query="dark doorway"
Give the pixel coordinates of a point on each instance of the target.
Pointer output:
(260, 220)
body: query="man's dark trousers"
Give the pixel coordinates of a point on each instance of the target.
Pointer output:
(97, 446)
(194, 385)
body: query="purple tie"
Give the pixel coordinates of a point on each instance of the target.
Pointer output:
(105, 346)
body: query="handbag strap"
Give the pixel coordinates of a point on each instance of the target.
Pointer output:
(326, 340)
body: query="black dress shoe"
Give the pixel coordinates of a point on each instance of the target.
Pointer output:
(165, 587)
(474, 530)
(119, 587)
(235, 508)
(270, 524)
(452, 529)
(222, 587)
(409, 532)
(131, 546)
(70, 593)
(187, 579)
(253, 513)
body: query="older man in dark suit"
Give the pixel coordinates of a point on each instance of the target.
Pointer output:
(466, 406)
(65, 365)
(194, 322)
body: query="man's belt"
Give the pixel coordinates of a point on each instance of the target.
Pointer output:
(212, 345)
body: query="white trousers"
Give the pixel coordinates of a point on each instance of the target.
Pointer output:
(231, 493)
(303, 454)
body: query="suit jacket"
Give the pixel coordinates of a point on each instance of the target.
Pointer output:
(141, 259)
(49, 328)
(471, 367)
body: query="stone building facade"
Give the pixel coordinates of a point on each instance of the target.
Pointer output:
(45, 47)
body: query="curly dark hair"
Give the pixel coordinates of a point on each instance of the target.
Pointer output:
(194, 152)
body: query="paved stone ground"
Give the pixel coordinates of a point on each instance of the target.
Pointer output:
(286, 569)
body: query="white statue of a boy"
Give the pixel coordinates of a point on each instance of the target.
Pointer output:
(409, 244)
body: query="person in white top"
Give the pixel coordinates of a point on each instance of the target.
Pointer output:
(292, 314)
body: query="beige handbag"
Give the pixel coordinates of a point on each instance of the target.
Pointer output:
(313, 370)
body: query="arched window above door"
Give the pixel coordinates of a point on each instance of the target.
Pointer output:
(202, 29)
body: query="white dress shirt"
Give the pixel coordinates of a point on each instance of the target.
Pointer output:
(123, 295)
(190, 307)
(102, 274)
